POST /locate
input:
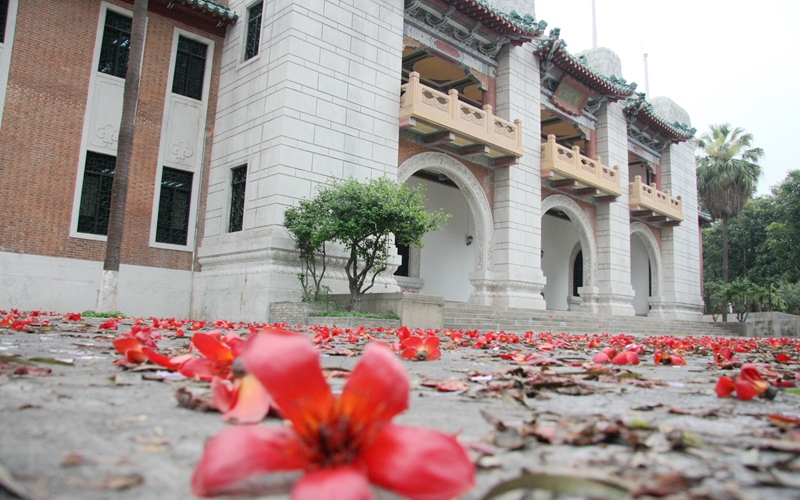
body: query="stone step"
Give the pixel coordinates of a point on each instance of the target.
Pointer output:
(485, 318)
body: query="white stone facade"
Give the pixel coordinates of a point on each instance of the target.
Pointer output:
(321, 100)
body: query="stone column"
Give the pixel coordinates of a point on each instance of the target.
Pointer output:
(513, 277)
(614, 290)
(680, 245)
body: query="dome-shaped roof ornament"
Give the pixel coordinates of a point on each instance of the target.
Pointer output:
(670, 112)
(603, 61)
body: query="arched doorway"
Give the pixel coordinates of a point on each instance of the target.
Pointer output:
(645, 267)
(463, 244)
(567, 236)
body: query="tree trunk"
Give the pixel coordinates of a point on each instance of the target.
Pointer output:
(107, 298)
(725, 262)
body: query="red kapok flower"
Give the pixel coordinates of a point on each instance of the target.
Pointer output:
(131, 348)
(421, 349)
(343, 443)
(242, 401)
(747, 385)
(219, 356)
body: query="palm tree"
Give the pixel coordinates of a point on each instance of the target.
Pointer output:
(727, 176)
(107, 298)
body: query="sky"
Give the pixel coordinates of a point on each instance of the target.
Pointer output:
(721, 60)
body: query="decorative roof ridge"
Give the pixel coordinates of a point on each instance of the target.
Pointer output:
(214, 8)
(526, 22)
(638, 103)
(553, 44)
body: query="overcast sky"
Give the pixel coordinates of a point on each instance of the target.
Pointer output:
(721, 60)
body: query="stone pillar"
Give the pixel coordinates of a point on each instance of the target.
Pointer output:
(320, 101)
(680, 245)
(614, 290)
(513, 276)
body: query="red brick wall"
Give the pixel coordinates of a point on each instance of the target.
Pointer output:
(43, 123)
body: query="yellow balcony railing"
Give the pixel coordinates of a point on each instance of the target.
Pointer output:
(644, 198)
(431, 113)
(559, 162)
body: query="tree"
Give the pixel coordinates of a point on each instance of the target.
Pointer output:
(784, 231)
(727, 176)
(107, 298)
(309, 224)
(363, 215)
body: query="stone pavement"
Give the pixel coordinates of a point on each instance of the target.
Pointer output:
(92, 430)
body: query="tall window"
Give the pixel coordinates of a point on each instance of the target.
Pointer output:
(253, 31)
(238, 184)
(190, 68)
(116, 45)
(173, 207)
(3, 18)
(98, 176)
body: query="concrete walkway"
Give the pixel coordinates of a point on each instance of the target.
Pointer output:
(91, 430)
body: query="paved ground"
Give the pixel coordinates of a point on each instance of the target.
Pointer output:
(90, 429)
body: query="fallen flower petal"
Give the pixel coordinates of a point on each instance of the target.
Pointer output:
(243, 401)
(334, 438)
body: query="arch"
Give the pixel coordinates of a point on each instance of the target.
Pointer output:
(476, 199)
(585, 232)
(653, 253)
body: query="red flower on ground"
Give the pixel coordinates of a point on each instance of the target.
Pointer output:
(242, 401)
(131, 348)
(668, 359)
(421, 349)
(343, 443)
(747, 385)
(219, 356)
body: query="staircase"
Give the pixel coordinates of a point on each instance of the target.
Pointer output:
(459, 315)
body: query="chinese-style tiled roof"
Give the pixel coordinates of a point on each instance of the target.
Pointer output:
(207, 15)
(554, 49)
(640, 110)
(510, 24)
(209, 7)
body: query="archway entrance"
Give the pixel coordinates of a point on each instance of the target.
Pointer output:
(645, 267)
(443, 265)
(568, 254)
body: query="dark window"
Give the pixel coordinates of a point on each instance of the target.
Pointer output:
(3, 19)
(190, 68)
(116, 45)
(402, 251)
(98, 176)
(577, 274)
(253, 31)
(238, 183)
(173, 207)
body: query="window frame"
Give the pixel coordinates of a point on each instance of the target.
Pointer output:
(174, 69)
(5, 7)
(83, 193)
(190, 199)
(117, 51)
(232, 186)
(248, 27)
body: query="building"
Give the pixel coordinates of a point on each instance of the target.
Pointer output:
(568, 190)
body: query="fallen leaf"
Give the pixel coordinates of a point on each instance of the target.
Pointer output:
(122, 481)
(200, 402)
(560, 483)
(74, 459)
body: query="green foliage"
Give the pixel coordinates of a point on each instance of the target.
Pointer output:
(727, 176)
(94, 314)
(308, 223)
(744, 297)
(784, 232)
(363, 215)
(354, 314)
